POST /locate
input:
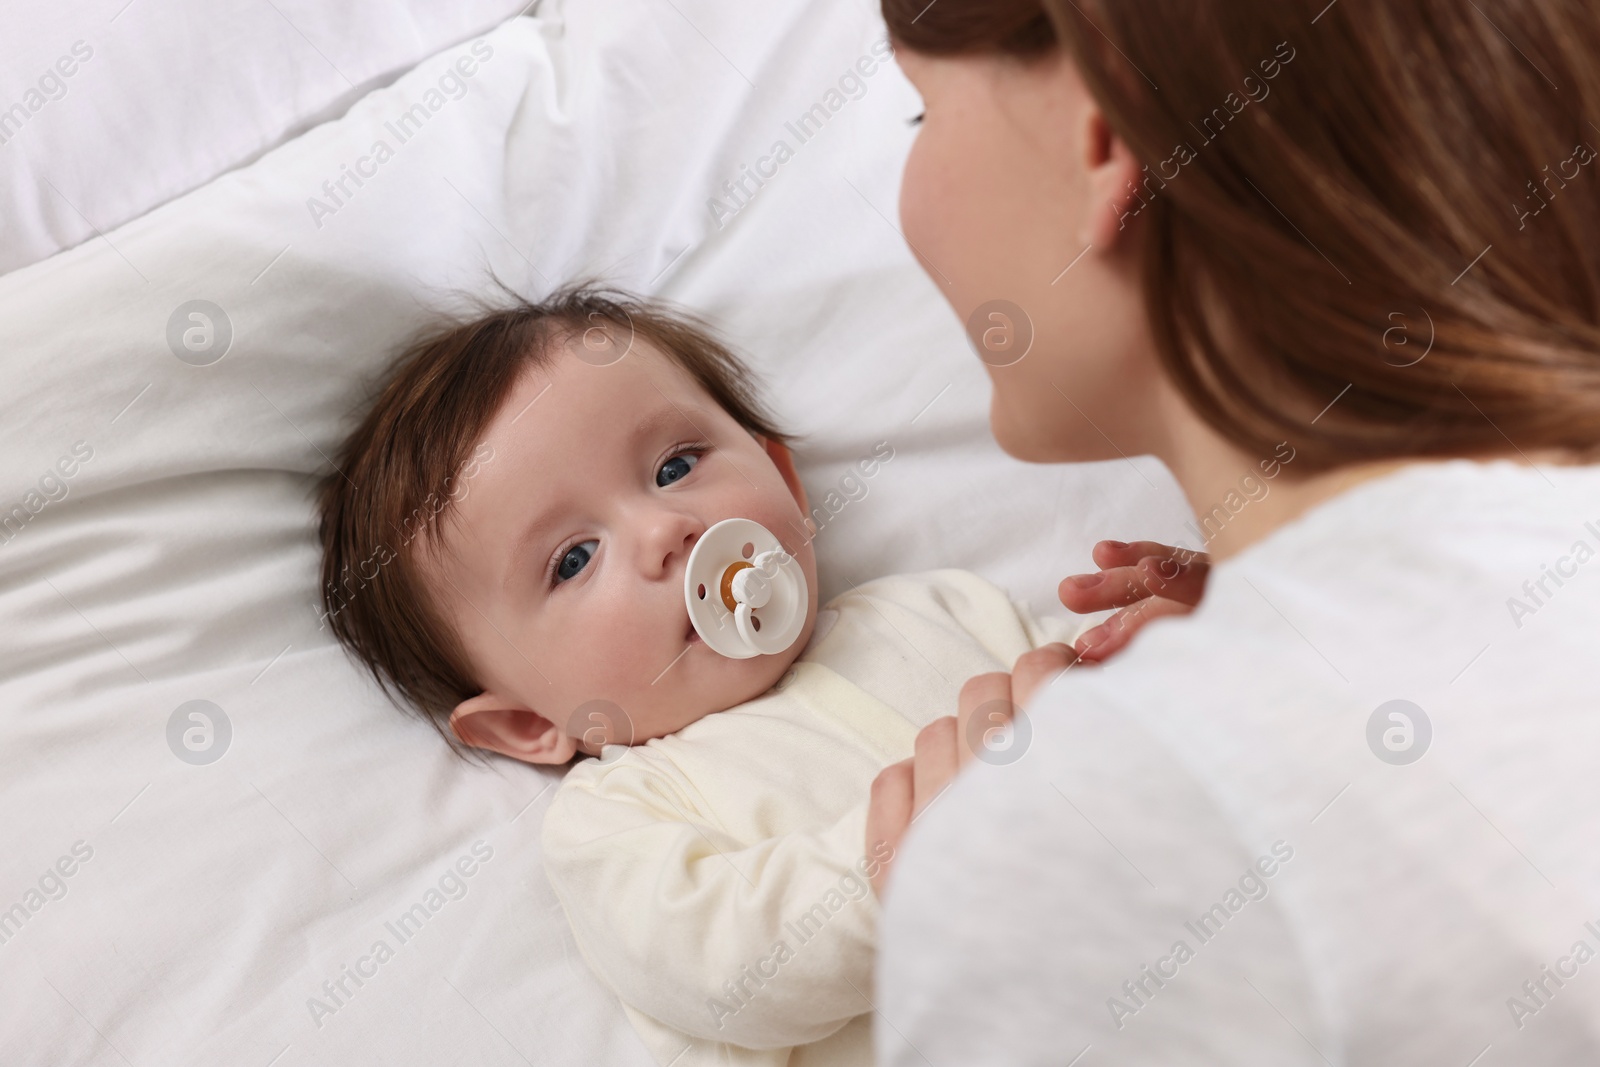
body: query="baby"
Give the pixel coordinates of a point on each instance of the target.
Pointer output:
(505, 548)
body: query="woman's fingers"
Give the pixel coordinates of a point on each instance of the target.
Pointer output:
(935, 762)
(1108, 554)
(1171, 580)
(1038, 668)
(984, 705)
(902, 790)
(1105, 640)
(1113, 588)
(888, 815)
(1128, 577)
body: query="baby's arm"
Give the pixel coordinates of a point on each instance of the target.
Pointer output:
(766, 945)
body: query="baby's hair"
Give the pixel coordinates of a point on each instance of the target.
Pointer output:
(414, 453)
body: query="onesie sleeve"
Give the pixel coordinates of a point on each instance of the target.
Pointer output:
(1007, 628)
(737, 943)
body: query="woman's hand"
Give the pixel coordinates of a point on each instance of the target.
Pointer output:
(902, 791)
(1146, 579)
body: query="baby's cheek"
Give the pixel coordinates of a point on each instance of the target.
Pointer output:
(606, 706)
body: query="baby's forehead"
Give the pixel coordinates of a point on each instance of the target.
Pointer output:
(571, 429)
(580, 387)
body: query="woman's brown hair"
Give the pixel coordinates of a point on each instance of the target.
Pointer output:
(416, 449)
(1368, 226)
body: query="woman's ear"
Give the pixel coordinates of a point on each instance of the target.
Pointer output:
(1115, 195)
(783, 459)
(503, 726)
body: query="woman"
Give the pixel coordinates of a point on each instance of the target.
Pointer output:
(1334, 263)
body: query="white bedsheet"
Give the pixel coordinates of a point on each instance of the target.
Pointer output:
(176, 563)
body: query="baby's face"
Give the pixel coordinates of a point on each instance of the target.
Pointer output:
(562, 568)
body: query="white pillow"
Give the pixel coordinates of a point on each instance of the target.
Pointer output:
(110, 108)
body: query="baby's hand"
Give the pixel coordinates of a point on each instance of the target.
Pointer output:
(1146, 579)
(902, 791)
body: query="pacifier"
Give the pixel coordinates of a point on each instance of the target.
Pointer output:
(746, 595)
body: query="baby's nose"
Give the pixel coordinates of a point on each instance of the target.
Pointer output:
(673, 538)
(686, 546)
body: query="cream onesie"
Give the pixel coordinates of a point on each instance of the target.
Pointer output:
(717, 879)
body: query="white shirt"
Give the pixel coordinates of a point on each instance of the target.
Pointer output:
(1205, 819)
(717, 878)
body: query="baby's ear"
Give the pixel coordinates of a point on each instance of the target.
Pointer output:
(504, 726)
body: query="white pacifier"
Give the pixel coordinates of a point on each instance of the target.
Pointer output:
(746, 595)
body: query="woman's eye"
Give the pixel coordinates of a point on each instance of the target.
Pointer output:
(676, 468)
(577, 558)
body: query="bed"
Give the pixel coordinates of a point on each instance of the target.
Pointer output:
(211, 820)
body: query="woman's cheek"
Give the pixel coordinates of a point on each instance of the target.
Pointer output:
(918, 219)
(947, 219)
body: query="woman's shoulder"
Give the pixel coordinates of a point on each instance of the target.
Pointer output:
(1432, 561)
(1456, 598)
(1432, 512)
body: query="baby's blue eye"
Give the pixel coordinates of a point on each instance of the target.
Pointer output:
(577, 558)
(675, 468)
